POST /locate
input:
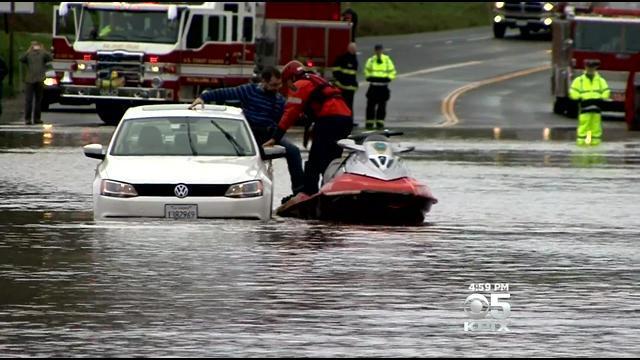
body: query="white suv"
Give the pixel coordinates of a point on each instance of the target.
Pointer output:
(170, 162)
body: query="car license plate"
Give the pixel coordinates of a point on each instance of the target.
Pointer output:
(181, 212)
(521, 23)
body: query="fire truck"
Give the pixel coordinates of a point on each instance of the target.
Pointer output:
(609, 32)
(118, 55)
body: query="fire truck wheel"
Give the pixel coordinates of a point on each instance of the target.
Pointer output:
(499, 30)
(110, 113)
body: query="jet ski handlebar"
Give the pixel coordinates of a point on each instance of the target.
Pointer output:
(360, 137)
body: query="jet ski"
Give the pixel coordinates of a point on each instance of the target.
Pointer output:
(370, 185)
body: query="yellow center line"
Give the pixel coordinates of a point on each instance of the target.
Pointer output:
(448, 104)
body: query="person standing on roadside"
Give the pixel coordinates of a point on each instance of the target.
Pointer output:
(379, 72)
(345, 71)
(351, 16)
(36, 59)
(590, 90)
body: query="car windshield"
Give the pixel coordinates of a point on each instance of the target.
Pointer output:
(182, 136)
(133, 26)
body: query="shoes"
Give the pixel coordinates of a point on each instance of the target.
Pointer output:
(295, 197)
(37, 122)
(287, 198)
(27, 122)
(370, 124)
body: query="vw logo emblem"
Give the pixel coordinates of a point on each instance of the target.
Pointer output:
(181, 191)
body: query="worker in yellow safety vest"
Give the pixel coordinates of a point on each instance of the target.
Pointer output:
(379, 72)
(590, 90)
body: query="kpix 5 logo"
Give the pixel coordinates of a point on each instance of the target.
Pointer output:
(487, 315)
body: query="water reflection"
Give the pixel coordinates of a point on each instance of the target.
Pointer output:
(588, 158)
(50, 136)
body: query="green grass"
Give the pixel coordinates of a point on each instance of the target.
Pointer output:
(390, 18)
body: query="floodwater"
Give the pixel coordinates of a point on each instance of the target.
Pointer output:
(558, 224)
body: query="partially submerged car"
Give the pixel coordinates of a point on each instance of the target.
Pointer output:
(167, 161)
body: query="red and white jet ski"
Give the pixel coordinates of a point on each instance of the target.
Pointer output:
(370, 185)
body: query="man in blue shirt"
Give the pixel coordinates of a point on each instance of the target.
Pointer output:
(263, 106)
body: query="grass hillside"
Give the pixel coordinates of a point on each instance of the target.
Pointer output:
(389, 18)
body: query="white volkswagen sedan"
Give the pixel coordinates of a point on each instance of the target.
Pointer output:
(170, 162)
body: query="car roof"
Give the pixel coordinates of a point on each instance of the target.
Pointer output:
(182, 110)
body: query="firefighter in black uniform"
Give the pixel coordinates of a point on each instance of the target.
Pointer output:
(345, 71)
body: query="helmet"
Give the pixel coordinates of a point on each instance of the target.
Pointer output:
(292, 71)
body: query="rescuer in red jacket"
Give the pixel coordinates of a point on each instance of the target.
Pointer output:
(311, 96)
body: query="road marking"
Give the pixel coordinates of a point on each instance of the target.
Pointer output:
(448, 104)
(439, 68)
(431, 70)
(448, 42)
(418, 45)
(479, 38)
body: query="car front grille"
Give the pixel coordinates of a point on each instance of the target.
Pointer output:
(125, 64)
(168, 190)
(523, 6)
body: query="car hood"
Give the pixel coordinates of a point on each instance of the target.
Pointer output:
(189, 170)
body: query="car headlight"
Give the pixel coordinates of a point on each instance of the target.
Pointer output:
(548, 7)
(499, 5)
(245, 190)
(117, 189)
(50, 81)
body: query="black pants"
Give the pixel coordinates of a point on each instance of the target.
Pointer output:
(0, 97)
(326, 133)
(33, 90)
(293, 156)
(348, 97)
(377, 97)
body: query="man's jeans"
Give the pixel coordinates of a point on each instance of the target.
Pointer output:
(293, 156)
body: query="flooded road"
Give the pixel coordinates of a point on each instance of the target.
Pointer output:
(557, 224)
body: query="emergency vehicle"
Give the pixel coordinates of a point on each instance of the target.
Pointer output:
(118, 55)
(609, 32)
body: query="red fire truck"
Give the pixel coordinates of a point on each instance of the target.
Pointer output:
(609, 32)
(118, 55)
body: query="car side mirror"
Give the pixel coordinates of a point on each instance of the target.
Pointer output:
(95, 151)
(273, 152)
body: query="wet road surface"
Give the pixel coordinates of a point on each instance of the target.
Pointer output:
(557, 224)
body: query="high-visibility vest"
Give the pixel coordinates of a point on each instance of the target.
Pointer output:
(383, 71)
(582, 88)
